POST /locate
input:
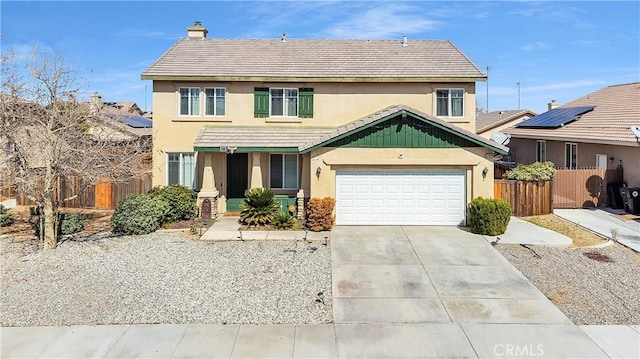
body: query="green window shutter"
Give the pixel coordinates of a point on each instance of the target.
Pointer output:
(261, 102)
(305, 106)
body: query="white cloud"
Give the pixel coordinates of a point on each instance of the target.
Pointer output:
(391, 19)
(538, 45)
(146, 34)
(25, 51)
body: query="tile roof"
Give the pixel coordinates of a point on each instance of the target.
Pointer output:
(617, 108)
(397, 109)
(313, 59)
(256, 136)
(487, 121)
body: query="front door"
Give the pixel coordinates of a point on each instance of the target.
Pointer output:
(237, 180)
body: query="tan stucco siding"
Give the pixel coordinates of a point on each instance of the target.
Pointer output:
(470, 159)
(335, 104)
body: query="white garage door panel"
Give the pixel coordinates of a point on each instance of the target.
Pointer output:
(406, 197)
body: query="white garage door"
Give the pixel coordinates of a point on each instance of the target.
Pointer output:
(399, 196)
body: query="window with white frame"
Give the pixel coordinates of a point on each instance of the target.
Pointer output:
(283, 171)
(284, 102)
(541, 151)
(181, 169)
(450, 102)
(215, 101)
(571, 155)
(189, 101)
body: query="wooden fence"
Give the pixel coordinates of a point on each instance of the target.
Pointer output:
(525, 198)
(104, 195)
(583, 187)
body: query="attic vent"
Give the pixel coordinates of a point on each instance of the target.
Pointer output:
(284, 37)
(404, 40)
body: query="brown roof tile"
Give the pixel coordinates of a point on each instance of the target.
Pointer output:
(313, 59)
(256, 136)
(617, 108)
(493, 119)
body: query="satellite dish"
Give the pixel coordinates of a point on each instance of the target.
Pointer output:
(636, 131)
(501, 138)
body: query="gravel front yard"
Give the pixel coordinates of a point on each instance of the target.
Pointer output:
(164, 278)
(591, 286)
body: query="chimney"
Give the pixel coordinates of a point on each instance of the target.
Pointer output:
(404, 40)
(553, 104)
(96, 103)
(197, 31)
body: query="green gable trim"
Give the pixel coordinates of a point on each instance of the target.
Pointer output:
(403, 130)
(250, 149)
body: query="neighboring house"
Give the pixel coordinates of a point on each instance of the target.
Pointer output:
(119, 120)
(592, 131)
(385, 127)
(489, 123)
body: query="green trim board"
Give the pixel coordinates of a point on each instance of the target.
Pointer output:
(402, 130)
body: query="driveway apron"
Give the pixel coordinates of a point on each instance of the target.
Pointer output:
(439, 280)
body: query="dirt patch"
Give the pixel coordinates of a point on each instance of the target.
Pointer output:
(580, 236)
(598, 257)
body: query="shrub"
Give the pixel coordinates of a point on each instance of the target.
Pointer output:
(139, 214)
(537, 171)
(6, 218)
(489, 216)
(259, 207)
(283, 220)
(320, 214)
(70, 223)
(35, 211)
(181, 199)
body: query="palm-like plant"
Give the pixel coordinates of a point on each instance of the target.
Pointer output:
(259, 207)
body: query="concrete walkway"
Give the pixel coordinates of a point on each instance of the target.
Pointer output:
(397, 292)
(603, 223)
(520, 231)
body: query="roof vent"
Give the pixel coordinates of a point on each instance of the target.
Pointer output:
(197, 31)
(404, 40)
(284, 37)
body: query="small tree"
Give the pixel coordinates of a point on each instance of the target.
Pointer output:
(48, 131)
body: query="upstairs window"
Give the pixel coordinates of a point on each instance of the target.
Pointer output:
(215, 101)
(450, 102)
(284, 102)
(190, 101)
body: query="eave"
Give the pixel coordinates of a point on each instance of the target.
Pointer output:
(311, 79)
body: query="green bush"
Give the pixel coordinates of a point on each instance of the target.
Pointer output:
(70, 223)
(181, 199)
(283, 220)
(6, 218)
(139, 214)
(259, 207)
(537, 171)
(489, 216)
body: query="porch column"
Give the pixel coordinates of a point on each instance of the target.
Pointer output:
(208, 190)
(256, 170)
(305, 182)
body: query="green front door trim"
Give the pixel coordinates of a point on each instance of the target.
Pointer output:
(403, 130)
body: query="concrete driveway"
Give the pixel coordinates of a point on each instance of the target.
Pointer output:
(441, 291)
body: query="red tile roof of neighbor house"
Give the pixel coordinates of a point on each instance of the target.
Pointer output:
(372, 60)
(617, 108)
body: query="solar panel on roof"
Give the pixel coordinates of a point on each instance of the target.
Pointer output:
(137, 122)
(555, 118)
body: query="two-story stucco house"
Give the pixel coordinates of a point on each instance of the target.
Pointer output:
(385, 127)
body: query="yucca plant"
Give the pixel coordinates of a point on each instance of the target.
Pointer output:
(259, 207)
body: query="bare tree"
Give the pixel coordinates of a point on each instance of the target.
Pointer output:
(51, 136)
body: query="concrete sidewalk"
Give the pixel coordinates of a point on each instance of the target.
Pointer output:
(520, 231)
(603, 223)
